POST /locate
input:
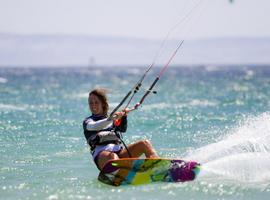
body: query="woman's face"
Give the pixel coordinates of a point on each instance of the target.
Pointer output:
(95, 105)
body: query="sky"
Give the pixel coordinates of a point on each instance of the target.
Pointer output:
(137, 18)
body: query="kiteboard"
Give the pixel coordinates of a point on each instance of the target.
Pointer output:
(136, 171)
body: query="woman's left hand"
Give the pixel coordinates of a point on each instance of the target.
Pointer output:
(126, 111)
(120, 114)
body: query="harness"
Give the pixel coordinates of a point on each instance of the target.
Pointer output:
(109, 135)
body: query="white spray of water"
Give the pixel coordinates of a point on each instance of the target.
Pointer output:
(242, 156)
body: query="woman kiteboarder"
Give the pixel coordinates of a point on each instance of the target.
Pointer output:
(103, 132)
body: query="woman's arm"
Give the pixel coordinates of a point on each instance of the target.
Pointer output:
(92, 125)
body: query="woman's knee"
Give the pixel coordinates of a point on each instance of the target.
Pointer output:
(146, 143)
(148, 149)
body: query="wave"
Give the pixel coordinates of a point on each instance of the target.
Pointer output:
(202, 103)
(6, 107)
(193, 103)
(3, 80)
(24, 107)
(242, 156)
(80, 95)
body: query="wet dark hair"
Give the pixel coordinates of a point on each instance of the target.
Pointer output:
(101, 93)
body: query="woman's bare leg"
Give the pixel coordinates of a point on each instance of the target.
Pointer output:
(104, 157)
(138, 148)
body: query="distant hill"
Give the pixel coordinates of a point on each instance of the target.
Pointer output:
(68, 50)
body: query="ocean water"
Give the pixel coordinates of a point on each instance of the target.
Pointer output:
(218, 116)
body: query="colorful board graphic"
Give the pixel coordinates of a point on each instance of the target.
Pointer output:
(140, 171)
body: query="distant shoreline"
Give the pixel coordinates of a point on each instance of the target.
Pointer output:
(100, 51)
(115, 67)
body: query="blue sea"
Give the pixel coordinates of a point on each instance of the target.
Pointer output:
(216, 115)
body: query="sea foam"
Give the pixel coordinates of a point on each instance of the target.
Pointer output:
(243, 155)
